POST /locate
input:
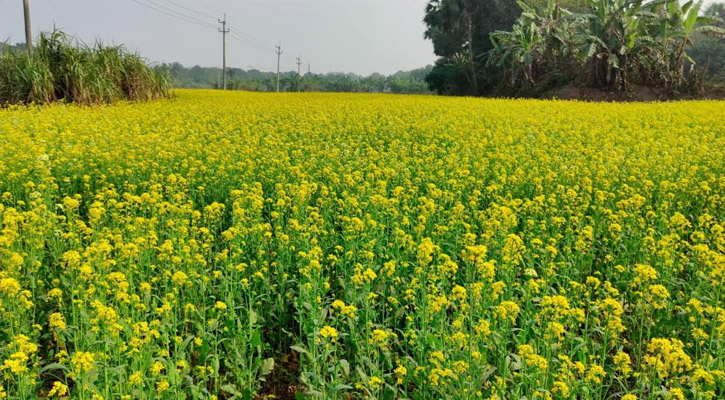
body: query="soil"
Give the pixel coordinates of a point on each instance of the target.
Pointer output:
(635, 93)
(282, 383)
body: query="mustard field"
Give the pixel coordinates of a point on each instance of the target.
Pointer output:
(333, 246)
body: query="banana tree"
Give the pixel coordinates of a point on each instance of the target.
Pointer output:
(615, 43)
(607, 37)
(519, 49)
(687, 20)
(534, 40)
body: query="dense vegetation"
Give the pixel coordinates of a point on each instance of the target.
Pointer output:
(255, 80)
(232, 245)
(459, 30)
(60, 69)
(602, 44)
(708, 50)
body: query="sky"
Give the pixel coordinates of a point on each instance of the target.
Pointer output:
(360, 36)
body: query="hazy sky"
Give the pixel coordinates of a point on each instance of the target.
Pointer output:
(361, 36)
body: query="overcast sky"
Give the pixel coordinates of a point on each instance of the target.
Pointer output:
(361, 36)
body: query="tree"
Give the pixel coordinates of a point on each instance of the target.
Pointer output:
(459, 31)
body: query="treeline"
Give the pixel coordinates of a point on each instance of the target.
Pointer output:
(531, 47)
(254, 80)
(60, 69)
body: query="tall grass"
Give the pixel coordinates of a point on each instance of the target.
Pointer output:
(61, 69)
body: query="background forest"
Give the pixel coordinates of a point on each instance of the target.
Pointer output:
(255, 80)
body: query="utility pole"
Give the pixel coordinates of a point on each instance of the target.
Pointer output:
(28, 33)
(279, 53)
(299, 76)
(308, 68)
(224, 32)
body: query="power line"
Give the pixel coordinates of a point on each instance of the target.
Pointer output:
(241, 36)
(251, 38)
(177, 14)
(154, 2)
(201, 13)
(235, 33)
(248, 42)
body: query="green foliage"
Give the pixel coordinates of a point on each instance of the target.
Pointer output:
(412, 82)
(62, 70)
(709, 50)
(448, 77)
(609, 45)
(459, 31)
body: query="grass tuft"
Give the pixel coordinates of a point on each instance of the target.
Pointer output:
(61, 69)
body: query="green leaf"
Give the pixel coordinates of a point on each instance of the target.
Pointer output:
(267, 366)
(613, 61)
(686, 6)
(256, 340)
(712, 31)
(345, 366)
(51, 367)
(231, 389)
(591, 50)
(300, 350)
(707, 20)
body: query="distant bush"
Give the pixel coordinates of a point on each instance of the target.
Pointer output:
(60, 69)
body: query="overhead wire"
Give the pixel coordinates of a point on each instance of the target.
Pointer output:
(251, 38)
(172, 13)
(237, 34)
(195, 19)
(201, 13)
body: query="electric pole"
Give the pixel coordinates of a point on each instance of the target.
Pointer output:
(279, 53)
(308, 68)
(299, 76)
(224, 32)
(28, 33)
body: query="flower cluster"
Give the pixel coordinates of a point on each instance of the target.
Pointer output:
(240, 245)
